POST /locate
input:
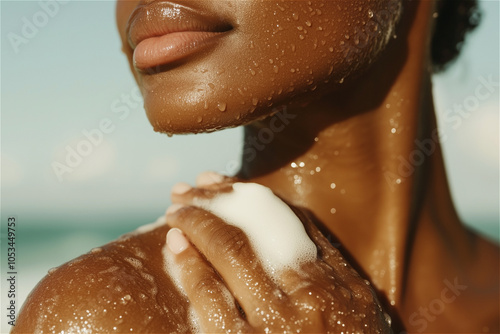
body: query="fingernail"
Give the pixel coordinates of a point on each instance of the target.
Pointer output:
(181, 188)
(176, 241)
(209, 178)
(173, 208)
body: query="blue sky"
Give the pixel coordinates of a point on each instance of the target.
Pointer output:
(69, 78)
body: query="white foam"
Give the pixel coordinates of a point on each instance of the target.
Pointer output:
(274, 231)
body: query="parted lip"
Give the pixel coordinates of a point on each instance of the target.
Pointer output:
(161, 18)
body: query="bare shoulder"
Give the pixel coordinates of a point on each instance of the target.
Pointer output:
(120, 287)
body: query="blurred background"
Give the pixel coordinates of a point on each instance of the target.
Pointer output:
(65, 76)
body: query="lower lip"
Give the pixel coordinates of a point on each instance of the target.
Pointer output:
(162, 50)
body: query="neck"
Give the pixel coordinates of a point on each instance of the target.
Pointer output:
(350, 158)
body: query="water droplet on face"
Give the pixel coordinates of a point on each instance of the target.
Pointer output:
(333, 185)
(255, 101)
(96, 250)
(211, 85)
(333, 210)
(330, 49)
(308, 23)
(276, 69)
(51, 271)
(221, 106)
(295, 16)
(370, 13)
(300, 28)
(199, 119)
(205, 105)
(292, 46)
(347, 36)
(252, 72)
(341, 80)
(301, 36)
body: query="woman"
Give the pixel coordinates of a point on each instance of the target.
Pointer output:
(337, 102)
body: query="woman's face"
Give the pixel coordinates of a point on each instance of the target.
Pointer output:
(204, 65)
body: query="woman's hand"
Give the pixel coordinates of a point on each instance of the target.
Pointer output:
(230, 289)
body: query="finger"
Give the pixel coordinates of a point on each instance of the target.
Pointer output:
(213, 181)
(183, 193)
(227, 248)
(327, 252)
(214, 307)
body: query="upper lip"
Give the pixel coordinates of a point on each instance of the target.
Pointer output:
(159, 18)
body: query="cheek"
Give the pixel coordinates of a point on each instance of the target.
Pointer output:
(279, 51)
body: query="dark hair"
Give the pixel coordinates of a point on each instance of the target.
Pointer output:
(455, 18)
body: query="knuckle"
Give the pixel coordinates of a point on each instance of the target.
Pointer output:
(228, 240)
(205, 284)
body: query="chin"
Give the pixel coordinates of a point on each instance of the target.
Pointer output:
(251, 57)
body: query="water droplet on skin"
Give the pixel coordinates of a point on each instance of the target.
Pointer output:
(341, 80)
(52, 270)
(370, 13)
(346, 36)
(292, 46)
(96, 250)
(292, 70)
(333, 185)
(308, 23)
(252, 72)
(204, 70)
(318, 169)
(300, 28)
(199, 119)
(205, 105)
(276, 69)
(330, 49)
(221, 106)
(251, 45)
(211, 85)
(301, 36)
(255, 101)
(333, 210)
(271, 61)
(295, 16)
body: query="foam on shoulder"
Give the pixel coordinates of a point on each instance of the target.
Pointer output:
(277, 235)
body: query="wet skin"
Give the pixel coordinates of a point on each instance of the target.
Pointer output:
(337, 157)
